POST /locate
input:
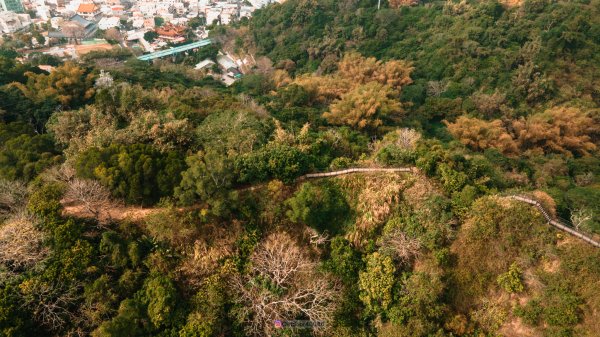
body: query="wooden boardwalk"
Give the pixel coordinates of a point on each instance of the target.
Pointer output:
(357, 170)
(536, 204)
(554, 222)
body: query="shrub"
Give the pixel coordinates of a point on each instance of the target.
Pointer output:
(45, 201)
(340, 163)
(562, 308)
(377, 283)
(322, 206)
(511, 281)
(137, 173)
(530, 313)
(282, 162)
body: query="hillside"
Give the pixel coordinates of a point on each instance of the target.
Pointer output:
(156, 201)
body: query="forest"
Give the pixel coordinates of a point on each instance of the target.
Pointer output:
(163, 203)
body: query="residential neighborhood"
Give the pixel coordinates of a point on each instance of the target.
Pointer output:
(71, 28)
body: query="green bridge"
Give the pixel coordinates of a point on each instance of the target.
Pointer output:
(175, 50)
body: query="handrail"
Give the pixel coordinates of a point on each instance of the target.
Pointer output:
(555, 223)
(355, 170)
(552, 221)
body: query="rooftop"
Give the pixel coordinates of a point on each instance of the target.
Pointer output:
(87, 8)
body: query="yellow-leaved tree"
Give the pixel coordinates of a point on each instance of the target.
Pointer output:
(363, 93)
(567, 130)
(69, 84)
(479, 134)
(364, 107)
(558, 130)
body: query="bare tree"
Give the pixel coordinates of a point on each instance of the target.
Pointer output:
(59, 173)
(105, 80)
(21, 243)
(315, 238)
(584, 179)
(94, 196)
(283, 284)
(581, 217)
(400, 246)
(436, 88)
(114, 34)
(73, 30)
(407, 138)
(264, 66)
(489, 104)
(51, 305)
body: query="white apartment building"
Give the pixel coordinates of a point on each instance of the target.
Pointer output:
(203, 5)
(147, 8)
(11, 22)
(179, 8)
(212, 14)
(56, 21)
(43, 12)
(110, 22)
(137, 22)
(230, 12)
(259, 3)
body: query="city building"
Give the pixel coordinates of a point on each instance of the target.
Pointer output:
(171, 32)
(118, 10)
(56, 21)
(206, 64)
(76, 28)
(12, 6)
(110, 22)
(88, 11)
(11, 22)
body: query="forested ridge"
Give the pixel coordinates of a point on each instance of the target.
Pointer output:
(485, 100)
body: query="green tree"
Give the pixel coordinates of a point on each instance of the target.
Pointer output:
(137, 173)
(24, 156)
(344, 260)
(196, 22)
(13, 319)
(208, 178)
(129, 321)
(321, 206)
(377, 283)
(161, 298)
(232, 133)
(150, 36)
(278, 161)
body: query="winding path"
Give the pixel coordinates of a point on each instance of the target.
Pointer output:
(520, 198)
(555, 223)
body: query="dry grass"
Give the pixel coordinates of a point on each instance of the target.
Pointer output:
(495, 235)
(546, 200)
(420, 190)
(373, 197)
(516, 328)
(511, 3)
(216, 243)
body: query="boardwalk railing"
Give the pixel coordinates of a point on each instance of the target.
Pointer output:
(555, 223)
(356, 170)
(551, 220)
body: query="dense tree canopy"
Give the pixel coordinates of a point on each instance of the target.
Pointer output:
(160, 202)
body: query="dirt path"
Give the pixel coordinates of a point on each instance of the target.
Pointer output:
(114, 213)
(137, 213)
